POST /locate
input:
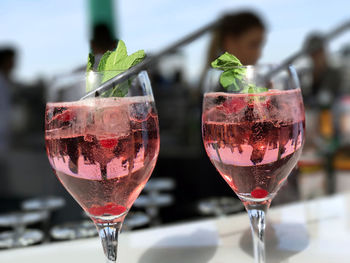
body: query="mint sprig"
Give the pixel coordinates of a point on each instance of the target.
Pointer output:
(232, 78)
(91, 62)
(251, 88)
(226, 62)
(113, 63)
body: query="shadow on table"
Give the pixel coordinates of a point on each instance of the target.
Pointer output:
(282, 241)
(196, 247)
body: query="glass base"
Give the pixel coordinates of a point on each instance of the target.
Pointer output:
(108, 218)
(109, 233)
(249, 198)
(256, 213)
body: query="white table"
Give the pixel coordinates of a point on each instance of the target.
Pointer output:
(314, 231)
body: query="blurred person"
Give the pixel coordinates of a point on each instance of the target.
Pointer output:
(241, 34)
(324, 81)
(7, 64)
(102, 40)
(172, 94)
(345, 64)
(321, 86)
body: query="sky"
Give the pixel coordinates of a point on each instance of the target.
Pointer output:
(52, 36)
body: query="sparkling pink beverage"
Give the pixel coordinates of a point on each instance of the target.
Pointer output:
(103, 150)
(254, 140)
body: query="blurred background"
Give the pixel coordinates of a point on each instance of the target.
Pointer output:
(42, 42)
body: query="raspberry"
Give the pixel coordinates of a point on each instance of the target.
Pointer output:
(110, 208)
(108, 143)
(267, 104)
(259, 193)
(233, 105)
(64, 116)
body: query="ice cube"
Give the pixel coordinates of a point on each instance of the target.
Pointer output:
(112, 119)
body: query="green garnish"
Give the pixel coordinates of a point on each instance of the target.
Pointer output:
(113, 63)
(91, 62)
(103, 61)
(232, 77)
(251, 88)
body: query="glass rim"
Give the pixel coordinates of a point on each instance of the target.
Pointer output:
(77, 81)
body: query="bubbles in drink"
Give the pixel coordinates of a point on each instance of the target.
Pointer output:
(254, 140)
(99, 152)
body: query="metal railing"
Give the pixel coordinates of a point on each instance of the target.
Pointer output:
(193, 36)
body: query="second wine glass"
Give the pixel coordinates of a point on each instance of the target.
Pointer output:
(254, 137)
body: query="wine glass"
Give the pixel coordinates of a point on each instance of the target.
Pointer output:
(253, 135)
(104, 149)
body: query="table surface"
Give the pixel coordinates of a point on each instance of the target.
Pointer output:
(313, 231)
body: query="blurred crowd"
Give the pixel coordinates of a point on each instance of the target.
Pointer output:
(323, 169)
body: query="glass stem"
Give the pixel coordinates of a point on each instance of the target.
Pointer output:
(256, 214)
(109, 237)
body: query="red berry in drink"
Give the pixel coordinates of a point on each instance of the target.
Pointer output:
(259, 193)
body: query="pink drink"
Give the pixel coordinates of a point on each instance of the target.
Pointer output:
(254, 140)
(103, 150)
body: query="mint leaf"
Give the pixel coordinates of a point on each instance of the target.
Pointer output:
(110, 60)
(233, 71)
(91, 62)
(228, 80)
(103, 62)
(120, 52)
(132, 60)
(251, 88)
(232, 78)
(121, 90)
(90, 66)
(113, 63)
(226, 61)
(260, 89)
(118, 61)
(116, 64)
(113, 60)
